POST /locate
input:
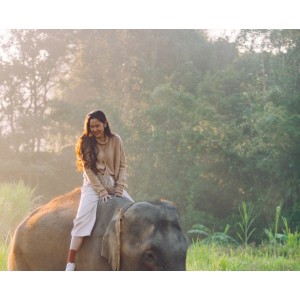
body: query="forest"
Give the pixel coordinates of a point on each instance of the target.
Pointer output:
(212, 125)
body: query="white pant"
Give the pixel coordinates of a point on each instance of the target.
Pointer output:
(87, 210)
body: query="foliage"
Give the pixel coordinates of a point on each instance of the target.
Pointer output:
(34, 64)
(4, 249)
(210, 237)
(291, 239)
(247, 219)
(51, 174)
(275, 236)
(287, 237)
(16, 200)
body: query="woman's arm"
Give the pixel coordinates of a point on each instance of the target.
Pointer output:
(93, 178)
(121, 180)
(95, 182)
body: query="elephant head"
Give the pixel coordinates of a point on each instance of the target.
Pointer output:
(145, 236)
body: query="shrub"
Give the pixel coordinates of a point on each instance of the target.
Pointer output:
(247, 219)
(16, 200)
(208, 236)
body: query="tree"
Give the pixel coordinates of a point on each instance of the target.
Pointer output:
(34, 65)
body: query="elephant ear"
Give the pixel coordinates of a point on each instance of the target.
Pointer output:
(111, 241)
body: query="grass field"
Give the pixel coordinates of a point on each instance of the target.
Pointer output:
(219, 258)
(3, 255)
(227, 258)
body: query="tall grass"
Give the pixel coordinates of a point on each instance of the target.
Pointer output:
(247, 219)
(274, 237)
(292, 239)
(16, 200)
(4, 248)
(203, 257)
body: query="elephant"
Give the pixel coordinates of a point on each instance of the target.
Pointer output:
(127, 236)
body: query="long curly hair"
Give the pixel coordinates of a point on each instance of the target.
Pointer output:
(86, 146)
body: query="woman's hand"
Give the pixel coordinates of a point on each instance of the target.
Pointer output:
(105, 198)
(119, 191)
(118, 194)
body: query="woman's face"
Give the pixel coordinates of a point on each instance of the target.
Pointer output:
(97, 128)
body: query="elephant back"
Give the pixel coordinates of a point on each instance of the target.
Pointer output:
(105, 212)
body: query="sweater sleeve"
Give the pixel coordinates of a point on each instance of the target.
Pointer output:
(95, 182)
(121, 180)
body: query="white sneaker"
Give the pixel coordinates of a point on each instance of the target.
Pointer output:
(70, 267)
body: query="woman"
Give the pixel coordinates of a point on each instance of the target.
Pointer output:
(99, 153)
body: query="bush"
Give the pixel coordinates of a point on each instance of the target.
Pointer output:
(4, 249)
(16, 200)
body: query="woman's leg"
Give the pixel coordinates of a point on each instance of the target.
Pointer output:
(76, 242)
(83, 223)
(75, 245)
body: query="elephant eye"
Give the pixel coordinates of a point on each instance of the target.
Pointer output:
(150, 256)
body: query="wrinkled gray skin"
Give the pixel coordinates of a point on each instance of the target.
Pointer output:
(151, 238)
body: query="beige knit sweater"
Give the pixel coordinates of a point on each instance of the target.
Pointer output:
(111, 154)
